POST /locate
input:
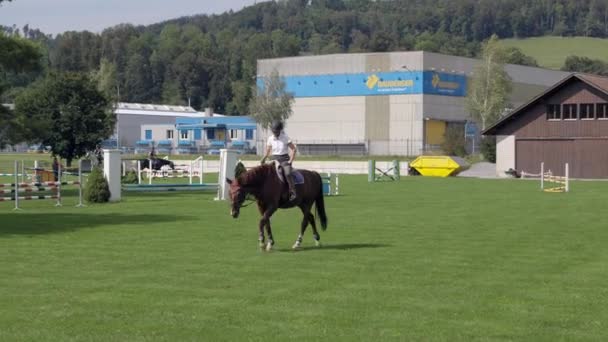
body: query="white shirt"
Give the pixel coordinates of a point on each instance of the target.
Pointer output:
(279, 145)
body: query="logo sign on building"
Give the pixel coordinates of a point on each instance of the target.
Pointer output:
(370, 84)
(437, 83)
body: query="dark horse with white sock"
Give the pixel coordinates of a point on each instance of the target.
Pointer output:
(271, 193)
(157, 164)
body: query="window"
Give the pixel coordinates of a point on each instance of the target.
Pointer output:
(554, 112)
(602, 111)
(210, 134)
(233, 134)
(169, 134)
(197, 134)
(148, 134)
(569, 112)
(249, 134)
(183, 134)
(587, 111)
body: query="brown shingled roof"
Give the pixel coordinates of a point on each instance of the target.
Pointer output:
(600, 82)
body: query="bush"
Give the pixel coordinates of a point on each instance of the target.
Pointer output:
(130, 178)
(97, 189)
(488, 148)
(453, 144)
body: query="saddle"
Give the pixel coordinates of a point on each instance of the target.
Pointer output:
(298, 178)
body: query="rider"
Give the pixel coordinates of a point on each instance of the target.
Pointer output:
(152, 154)
(98, 154)
(279, 145)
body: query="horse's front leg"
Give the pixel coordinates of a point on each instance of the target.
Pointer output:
(266, 218)
(261, 237)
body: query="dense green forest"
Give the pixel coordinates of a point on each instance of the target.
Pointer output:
(211, 60)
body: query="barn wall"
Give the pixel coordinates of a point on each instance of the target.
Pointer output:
(534, 124)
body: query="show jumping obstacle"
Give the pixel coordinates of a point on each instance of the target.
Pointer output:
(18, 188)
(195, 170)
(555, 183)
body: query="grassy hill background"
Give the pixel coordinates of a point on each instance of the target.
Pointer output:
(551, 52)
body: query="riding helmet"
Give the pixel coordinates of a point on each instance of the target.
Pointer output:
(277, 127)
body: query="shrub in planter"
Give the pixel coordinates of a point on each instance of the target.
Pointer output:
(97, 189)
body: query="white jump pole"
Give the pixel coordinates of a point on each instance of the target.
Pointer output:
(16, 186)
(191, 171)
(139, 172)
(80, 185)
(200, 172)
(58, 185)
(23, 172)
(337, 184)
(567, 188)
(542, 176)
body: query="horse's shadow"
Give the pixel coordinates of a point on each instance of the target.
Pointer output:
(339, 247)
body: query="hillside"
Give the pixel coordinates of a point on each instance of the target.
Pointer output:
(550, 52)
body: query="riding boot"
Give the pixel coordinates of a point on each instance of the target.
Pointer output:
(292, 188)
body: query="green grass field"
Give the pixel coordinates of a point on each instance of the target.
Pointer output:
(422, 259)
(551, 52)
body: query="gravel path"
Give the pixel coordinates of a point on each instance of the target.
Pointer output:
(480, 170)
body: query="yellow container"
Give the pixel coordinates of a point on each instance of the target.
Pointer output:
(438, 166)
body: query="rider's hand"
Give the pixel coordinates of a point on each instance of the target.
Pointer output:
(263, 161)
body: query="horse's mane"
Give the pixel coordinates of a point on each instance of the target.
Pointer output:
(255, 176)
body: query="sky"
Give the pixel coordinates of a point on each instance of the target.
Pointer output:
(57, 16)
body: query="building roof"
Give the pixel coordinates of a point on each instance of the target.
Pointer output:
(598, 82)
(228, 122)
(156, 110)
(350, 63)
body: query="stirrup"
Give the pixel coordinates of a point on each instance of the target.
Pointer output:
(292, 196)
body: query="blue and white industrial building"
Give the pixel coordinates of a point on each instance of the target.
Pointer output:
(179, 130)
(397, 103)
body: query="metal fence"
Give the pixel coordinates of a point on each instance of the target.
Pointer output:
(403, 147)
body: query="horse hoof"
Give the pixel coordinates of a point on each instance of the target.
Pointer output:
(317, 243)
(268, 247)
(296, 245)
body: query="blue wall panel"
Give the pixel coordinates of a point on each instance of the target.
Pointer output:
(381, 83)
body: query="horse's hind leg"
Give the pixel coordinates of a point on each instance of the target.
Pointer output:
(270, 242)
(315, 233)
(305, 211)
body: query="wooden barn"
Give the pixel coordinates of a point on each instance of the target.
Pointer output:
(567, 123)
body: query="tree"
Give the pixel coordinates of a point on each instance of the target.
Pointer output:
(271, 101)
(17, 55)
(107, 80)
(586, 65)
(488, 94)
(514, 55)
(66, 112)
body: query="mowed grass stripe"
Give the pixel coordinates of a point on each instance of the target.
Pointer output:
(420, 259)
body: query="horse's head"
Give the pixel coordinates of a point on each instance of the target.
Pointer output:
(237, 197)
(171, 165)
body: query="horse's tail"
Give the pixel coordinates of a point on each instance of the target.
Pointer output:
(320, 205)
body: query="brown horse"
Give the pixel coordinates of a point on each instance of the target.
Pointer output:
(271, 194)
